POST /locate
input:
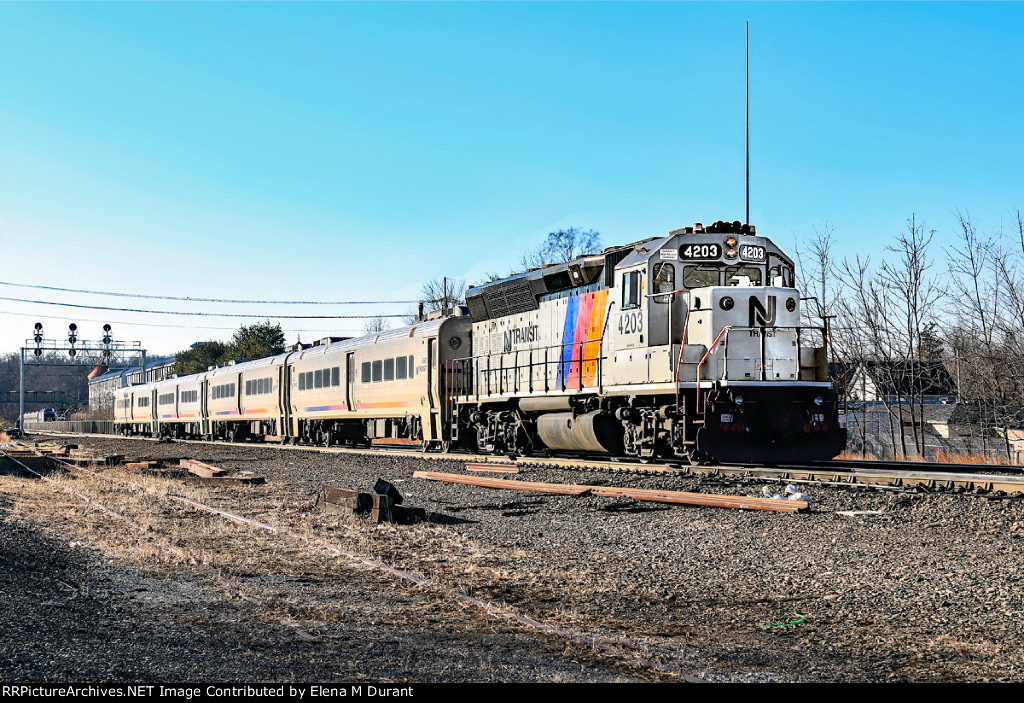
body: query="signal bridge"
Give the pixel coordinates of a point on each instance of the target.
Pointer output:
(74, 351)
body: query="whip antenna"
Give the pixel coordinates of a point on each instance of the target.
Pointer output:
(747, 219)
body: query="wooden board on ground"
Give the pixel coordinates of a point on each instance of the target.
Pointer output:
(485, 467)
(200, 468)
(659, 496)
(240, 479)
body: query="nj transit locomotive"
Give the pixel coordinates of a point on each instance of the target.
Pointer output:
(685, 346)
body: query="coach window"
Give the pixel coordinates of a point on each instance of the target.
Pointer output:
(401, 364)
(302, 381)
(412, 367)
(631, 290)
(366, 372)
(664, 281)
(378, 371)
(389, 369)
(335, 375)
(318, 379)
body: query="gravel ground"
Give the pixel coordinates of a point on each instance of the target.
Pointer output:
(927, 591)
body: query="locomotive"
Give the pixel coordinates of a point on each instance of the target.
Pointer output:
(687, 346)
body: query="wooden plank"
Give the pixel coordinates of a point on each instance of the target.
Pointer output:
(491, 468)
(200, 468)
(659, 496)
(224, 480)
(140, 465)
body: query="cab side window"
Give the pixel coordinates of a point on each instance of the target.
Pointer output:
(663, 281)
(631, 290)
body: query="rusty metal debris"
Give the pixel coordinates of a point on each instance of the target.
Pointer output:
(381, 506)
(656, 495)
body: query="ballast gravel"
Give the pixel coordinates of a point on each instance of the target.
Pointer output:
(928, 588)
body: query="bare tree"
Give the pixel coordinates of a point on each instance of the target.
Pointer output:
(886, 312)
(816, 273)
(438, 294)
(373, 325)
(563, 245)
(986, 312)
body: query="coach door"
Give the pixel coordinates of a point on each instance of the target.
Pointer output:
(283, 407)
(350, 381)
(432, 377)
(204, 407)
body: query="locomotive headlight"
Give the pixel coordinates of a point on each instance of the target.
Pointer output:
(730, 242)
(818, 400)
(730, 253)
(791, 304)
(738, 400)
(726, 303)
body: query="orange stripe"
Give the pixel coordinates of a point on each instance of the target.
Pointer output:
(593, 348)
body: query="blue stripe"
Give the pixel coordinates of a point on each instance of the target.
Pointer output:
(568, 336)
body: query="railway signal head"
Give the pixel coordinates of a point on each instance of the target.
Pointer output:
(72, 333)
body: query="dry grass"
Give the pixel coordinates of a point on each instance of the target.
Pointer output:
(943, 456)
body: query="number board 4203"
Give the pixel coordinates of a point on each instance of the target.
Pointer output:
(749, 252)
(700, 252)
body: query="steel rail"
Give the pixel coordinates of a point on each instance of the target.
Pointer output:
(841, 472)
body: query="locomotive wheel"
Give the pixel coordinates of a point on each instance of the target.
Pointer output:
(698, 458)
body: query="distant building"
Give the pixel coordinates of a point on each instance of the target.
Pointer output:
(103, 385)
(929, 382)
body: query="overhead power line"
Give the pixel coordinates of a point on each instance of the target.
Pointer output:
(169, 326)
(211, 300)
(205, 314)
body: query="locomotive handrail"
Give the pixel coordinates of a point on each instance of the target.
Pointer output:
(682, 343)
(466, 365)
(704, 358)
(841, 363)
(728, 329)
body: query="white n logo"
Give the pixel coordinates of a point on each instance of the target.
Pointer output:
(759, 317)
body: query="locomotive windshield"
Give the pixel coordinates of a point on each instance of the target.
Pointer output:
(706, 275)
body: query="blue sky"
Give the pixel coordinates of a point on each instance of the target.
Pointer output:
(352, 150)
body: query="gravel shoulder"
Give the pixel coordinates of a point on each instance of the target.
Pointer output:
(930, 590)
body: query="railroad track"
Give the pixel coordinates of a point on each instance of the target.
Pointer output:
(977, 479)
